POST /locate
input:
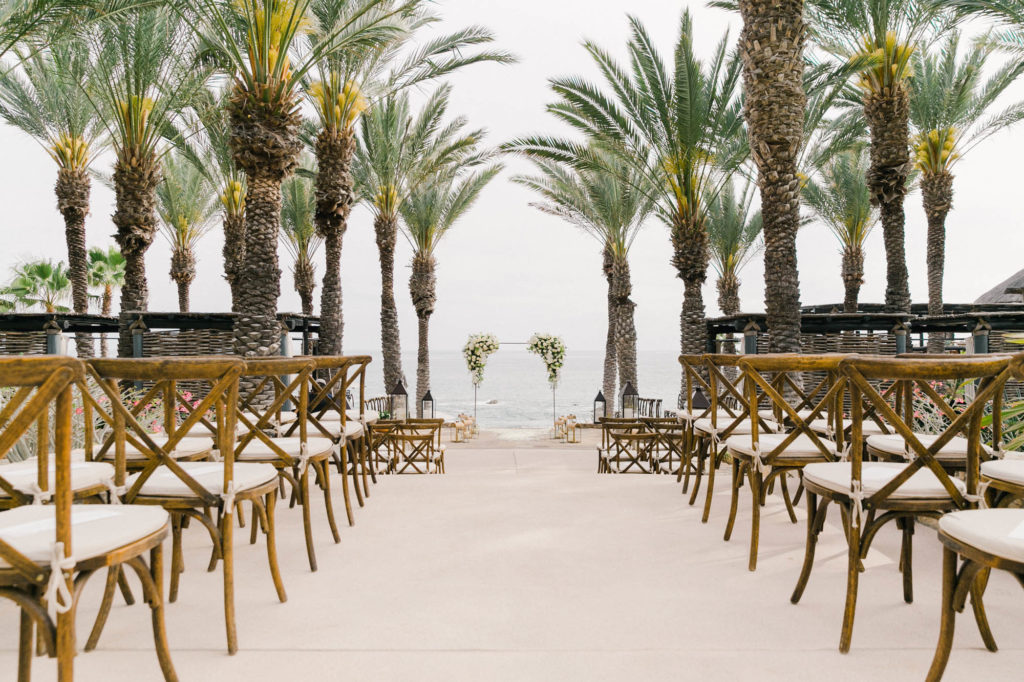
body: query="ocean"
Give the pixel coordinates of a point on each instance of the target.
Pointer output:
(515, 392)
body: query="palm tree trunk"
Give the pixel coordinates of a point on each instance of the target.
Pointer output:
(853, 276)
(72, 191)
(183, 272)
(771, 47)
(690, 258)
(729, 293)
(888, 117)
(305, 283)
(108, 299)
(386, 228)
(937, 196)
(423, 288)
(265, 145)
(610, 356)
(234, 254)
(334, 197)
(625, 325)
(135, 220)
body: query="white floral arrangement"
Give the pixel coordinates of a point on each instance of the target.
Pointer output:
(551, 349)
(478, 348)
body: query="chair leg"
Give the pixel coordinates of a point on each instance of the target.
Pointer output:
(177, 556)
(156, 604)
(325, 472)
(344, 486)
(756, 486)
(126, 590)
(363, 467)
(734, 498)
(713, 461)
(66, 646)
(254, 525)
(267, 518)
(907, 559)
(815, 522)
(700, 471)
(948, 622)
(978, 607)
(852, 580)
(307, 523)
(25, 639)
(227, 541)
(353, 463)
(784, 484)
(104, 612)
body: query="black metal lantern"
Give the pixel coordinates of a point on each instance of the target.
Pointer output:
(398, 400)
(699, 400)
(630, 402)
(427, 406)
(600, 407)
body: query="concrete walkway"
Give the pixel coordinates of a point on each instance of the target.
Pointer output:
(523, 564)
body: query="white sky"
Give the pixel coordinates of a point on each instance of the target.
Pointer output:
(507, 268)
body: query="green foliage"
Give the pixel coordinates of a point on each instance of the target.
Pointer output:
(186, 202)
(106, 268)
(298, 231)
(40, 284)
(734, 229)
(841, 199)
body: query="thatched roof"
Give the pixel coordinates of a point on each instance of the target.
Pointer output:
(997, 294)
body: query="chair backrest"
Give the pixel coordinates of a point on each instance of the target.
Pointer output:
(412, 445)
(289, 378)
(220, 373)
(632, 446)
(725, 392)
(619, 425)
(38, 384)
(777, 382)
(912, 382)
(694, 377)
(435, 425)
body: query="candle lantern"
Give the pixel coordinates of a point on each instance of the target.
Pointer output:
(427, 406)
(600, 407)
(398, 400)
(630, 402)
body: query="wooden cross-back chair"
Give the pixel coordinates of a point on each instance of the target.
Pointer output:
(379, 447)
(764, 456)
(189, 489)
(414, 449)
(48, 552)
(328, 415)
(295, 455)
(728, 415)
(611, 425)
(629, 452)
(694, 378)
(871, 494)
(434, 426)
(668, 455)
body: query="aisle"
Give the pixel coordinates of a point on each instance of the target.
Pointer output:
(525, 565)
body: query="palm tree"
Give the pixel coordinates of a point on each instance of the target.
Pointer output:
(611, 207)
(146, 70)
(186, 203)
(269, 47)
(45, 98)
(428, 213)
(300, 236)
(682, 128)
(876, 39)
(734, 234)
(350, 82)
(106, 272)
(949, 99)
(842, 200)
(40, 283)
(398, 151)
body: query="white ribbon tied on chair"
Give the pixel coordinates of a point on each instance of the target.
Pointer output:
(116, 491)
(58, 596)
(844, 456)
(758, 462)
(215, 455)
(979, 499)
(229, 498)
(39, 496)
(857, 504)
(303, 458)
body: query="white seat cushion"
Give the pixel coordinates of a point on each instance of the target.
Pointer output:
(996, 531)
(257, 450)
(770, 414)
(893, 444)
(95, 528)
(868, 428)
(188, 447)
(1009, 470)
(210, 475)
(802, 446)
(724, 422)
(924, 484)
(371, 415)
(23, 476)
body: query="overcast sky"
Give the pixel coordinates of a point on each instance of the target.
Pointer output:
(507, 268)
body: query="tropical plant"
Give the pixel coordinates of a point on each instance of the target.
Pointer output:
(428, 214)
(268, 47)
(680, 125)
(876, 40)
(734, 232)
(950, 97)
(842, 200)
(348, 83)
(145, 73)
(399, 151)
(46, 98)
(300, 236)
(106, 272)
(42, 284)
(611, 206)
(186, 203)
